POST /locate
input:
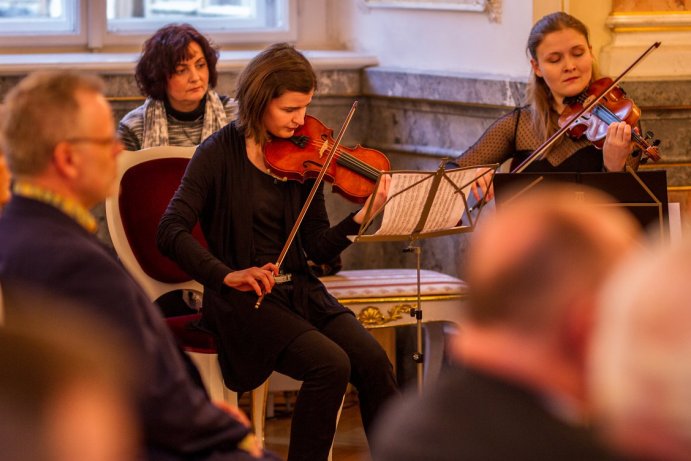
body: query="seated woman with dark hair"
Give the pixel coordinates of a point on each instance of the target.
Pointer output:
(177, 74)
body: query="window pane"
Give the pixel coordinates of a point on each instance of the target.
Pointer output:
(37, 16)
(209, 15)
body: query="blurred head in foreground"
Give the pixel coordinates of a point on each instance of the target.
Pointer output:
(641, 372)
(534, 270)
(64, 391)
(4, 170)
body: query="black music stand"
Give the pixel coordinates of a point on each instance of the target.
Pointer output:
(422, 205)
(642, 193)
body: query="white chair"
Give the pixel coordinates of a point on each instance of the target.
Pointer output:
(147, 180)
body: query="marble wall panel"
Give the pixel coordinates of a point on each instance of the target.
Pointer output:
(673, 129)
(668, 94)
(425, 128)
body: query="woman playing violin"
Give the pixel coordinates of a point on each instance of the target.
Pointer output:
(562, 68)
(246, 214)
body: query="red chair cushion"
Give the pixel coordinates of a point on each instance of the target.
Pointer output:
(145, 190)
(190, 335)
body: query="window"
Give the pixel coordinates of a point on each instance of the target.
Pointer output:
(96, 24)
(28, 16)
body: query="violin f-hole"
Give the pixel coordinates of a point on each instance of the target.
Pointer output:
(307, 163)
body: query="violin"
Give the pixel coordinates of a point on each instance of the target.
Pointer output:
(353, 173)
(614, 106)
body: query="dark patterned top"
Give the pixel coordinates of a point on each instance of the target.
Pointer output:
(513, 136)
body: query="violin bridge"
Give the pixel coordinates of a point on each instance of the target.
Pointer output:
(323, 149)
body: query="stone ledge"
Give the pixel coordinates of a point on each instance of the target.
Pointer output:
(443, 87)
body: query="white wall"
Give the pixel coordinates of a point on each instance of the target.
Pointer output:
(448, 41)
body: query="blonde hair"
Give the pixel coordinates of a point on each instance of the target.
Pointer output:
(39, 113)
(538, 93)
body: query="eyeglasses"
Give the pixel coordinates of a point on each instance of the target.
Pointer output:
(109, 141)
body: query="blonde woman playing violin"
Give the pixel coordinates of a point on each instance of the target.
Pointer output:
(562, 65)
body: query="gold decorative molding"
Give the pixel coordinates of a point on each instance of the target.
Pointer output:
(649, 21)
(657, 166)
(125, 98)
(400, 299)
(371, 316)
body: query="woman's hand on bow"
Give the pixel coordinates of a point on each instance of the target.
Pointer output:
(257, 279)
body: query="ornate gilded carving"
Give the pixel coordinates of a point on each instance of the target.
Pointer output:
(650, 5)
(494, 8)
(371, 315)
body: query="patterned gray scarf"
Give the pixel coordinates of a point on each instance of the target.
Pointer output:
(156, 125)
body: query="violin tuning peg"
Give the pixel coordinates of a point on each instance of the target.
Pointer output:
(656, 142)
(649, 134)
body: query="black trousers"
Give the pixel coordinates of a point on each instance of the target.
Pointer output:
(326, 360)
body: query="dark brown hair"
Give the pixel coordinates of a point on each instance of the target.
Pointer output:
(277, 69)
(163, 51)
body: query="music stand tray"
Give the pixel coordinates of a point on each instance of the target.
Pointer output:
(642, 193)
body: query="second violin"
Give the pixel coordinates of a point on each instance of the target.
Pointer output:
(353, 173)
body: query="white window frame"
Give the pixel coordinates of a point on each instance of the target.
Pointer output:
(477, 6)
(92, 31)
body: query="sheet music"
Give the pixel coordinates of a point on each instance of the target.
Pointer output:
(448, 205)
(409, 192)
(403, 210)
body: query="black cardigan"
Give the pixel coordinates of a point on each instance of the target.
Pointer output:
(216, 190)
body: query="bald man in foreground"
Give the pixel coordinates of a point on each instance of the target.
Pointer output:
(518, 390)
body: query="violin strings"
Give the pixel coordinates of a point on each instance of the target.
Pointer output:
(604, 110)
(365, 171)
(352, 162)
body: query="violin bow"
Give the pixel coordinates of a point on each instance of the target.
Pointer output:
(552, 139)
(313, 192)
